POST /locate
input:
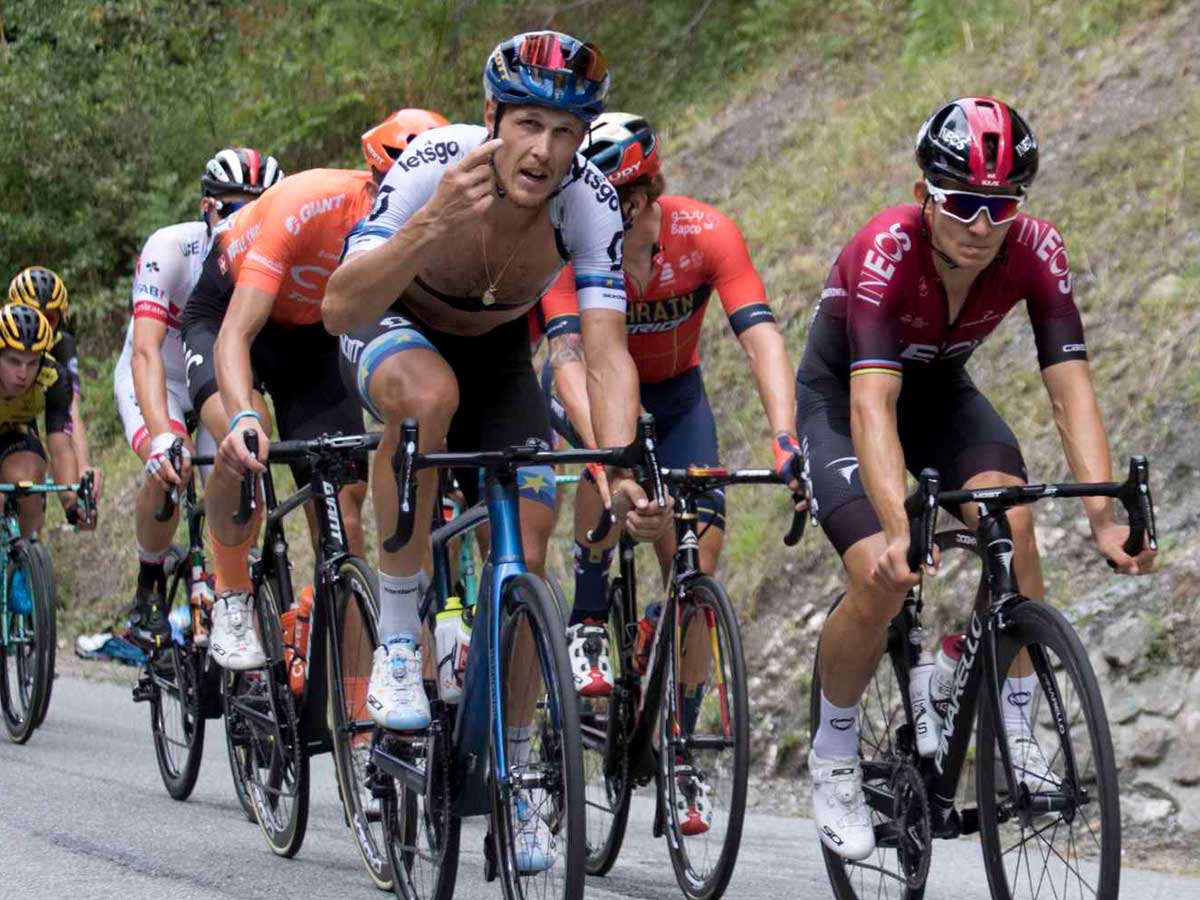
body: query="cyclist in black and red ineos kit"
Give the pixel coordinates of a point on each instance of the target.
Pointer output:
(883, 387)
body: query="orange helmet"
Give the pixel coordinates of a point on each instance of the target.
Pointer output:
(387, 140)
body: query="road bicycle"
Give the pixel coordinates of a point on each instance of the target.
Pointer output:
(683, 723)
(468, 762)
(1052, 831)
(283, 729)
(28, 615)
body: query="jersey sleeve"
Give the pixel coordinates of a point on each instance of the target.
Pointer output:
(58, 402)
(66, 355)
(592, 233)
(154, 276)
(1050, 300)
(560, 306)
(868, 283)
(743, 295)
(410, 184)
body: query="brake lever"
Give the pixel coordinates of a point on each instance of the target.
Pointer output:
(920, 551)
(1135, 496)
(171, 497)
(248, 502)
(404, 471)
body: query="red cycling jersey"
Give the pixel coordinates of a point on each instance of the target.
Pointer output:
(892, 305)
(698, 250)
(289, 240)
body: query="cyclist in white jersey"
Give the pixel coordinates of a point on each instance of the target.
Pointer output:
(466, 234)
(150, 380)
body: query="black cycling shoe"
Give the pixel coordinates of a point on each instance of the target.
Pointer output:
(148, 624)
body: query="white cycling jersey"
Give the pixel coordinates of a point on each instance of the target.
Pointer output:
(585, 212)
(167, 270)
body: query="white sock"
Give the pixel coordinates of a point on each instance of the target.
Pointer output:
(399, 607)
(1016, 697)
(837, 735)
(518, 747)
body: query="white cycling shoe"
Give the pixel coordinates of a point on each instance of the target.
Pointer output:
(233, 641)
(587, 649)
(1029, 764)
(534, 843)
(840, 807)
(396, 696)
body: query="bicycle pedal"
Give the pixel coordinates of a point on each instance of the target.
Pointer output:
(143, 691)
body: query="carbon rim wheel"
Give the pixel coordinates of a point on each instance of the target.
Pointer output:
(537, 818)
(355, 608)
(176, 718)
(40, 557)
(23, 676)
(1062, 836)
(237, 742)
(887, 873)
(704, 740)
(604, 728)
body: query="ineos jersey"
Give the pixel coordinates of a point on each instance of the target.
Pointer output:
(698, 250)
(584, 213)
(884, 307)
(167, 270)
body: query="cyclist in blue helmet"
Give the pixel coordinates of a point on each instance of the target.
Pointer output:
(470, 227)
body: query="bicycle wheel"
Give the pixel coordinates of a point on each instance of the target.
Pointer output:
(176, 719)
(537, 818)
(421, 831)
(897, 869)
(277, 755)
(352, 643)
(237, 742)
(1069, 841)
(41, 556)
(25, 670)
(704, 762)
(605, 724)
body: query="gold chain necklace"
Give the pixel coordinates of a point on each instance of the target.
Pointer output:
(489, 296)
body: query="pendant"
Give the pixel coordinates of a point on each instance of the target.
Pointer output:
(489, 297)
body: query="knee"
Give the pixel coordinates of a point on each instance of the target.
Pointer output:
(397, 394)
(1020, 520)
(351, 501)
(868, 605)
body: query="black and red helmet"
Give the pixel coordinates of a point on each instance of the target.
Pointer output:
(241, 170)
(623, 147)
(979, 141)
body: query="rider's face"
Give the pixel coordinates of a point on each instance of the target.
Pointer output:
(971, 246)
(539, 145)
(18, 369)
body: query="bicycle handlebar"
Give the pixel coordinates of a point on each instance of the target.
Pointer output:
(1134, 494)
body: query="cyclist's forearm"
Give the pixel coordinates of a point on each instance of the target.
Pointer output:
(150, 388)
(767, 353)
(1081, 429)
(79, 439)
(612, 379)
(64, 467)
(364, 286)
(235, 379)
(880, 460)
(570, 383)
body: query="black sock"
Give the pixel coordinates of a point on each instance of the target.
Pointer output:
(151, 578)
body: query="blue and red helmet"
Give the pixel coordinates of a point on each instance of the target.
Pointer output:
(978, 141)
(548, 69)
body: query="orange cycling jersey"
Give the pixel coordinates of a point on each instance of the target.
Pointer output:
(288, 241)
(698, 250)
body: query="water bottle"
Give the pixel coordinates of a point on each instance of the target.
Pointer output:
(462, 650)
(941, 682)
(925, 721)
(295, 625)
(647, 625)
(446, 641)
(201, 601)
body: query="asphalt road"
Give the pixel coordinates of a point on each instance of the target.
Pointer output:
(84, 814)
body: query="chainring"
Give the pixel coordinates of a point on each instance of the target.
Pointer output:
(910, 815)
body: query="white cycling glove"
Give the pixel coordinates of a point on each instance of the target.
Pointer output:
(159, 445)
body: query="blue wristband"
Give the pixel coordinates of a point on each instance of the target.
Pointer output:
(244, 414)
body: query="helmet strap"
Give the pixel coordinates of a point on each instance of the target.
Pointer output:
(927, 235)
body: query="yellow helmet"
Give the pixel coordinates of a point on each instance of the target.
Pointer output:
(41, 288)
(23, 327)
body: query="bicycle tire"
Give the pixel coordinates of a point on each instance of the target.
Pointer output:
(605, 746)
(237, 744)
(355, 609)
(706, 596)
(882, 701)
(1034, 623)
(559, 776)
(41, 556)
(22, 690)
(177, 669)
(280, 754)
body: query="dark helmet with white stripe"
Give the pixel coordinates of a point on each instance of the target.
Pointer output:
(241, 170)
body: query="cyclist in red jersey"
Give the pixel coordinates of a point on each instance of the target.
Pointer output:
(883, 387)
(677, 252)
(254, 317)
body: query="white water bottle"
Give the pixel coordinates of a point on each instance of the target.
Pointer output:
(449, 622)
(941, 684)
(926, 723)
